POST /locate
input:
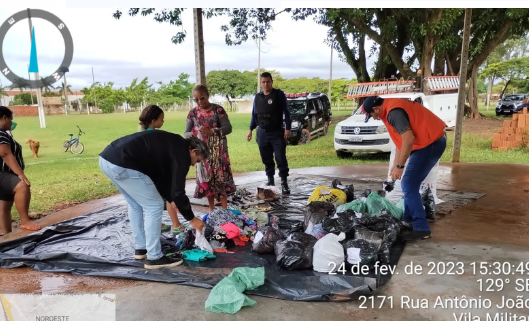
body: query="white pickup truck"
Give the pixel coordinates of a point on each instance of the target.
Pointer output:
(353, 135)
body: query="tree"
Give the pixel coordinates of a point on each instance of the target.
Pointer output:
(20, 84)
(231, 82)
(46, 85)
(515, 70)
(137, 92)
(22, 99)
(63, 90)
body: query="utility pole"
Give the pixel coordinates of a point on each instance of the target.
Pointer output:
(462, 81)
(42, 118)
(259, 66)
(95, 92)
(30, 90)
(199, 47)
(330, 75)
(67, 105)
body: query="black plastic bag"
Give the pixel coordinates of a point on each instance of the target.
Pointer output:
(388, 186)
(383, 228)
(368, 251)
(429, 204)
(315, 212)
(295, 253)
(381, 193)
(290, 226)
(366, 193)
(349, 190)
(336, 225)
(270, 237)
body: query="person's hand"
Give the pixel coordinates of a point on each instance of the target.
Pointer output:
(197, 224)
(396, 173)
(287, 133)
(249, 136)
(206, 131)
(24, 179)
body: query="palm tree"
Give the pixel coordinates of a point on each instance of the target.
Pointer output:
(62, 91)
(19, 83)
(45, 84)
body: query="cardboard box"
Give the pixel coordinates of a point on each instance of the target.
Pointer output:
(507, 123)
(518, 138)
(514, 117)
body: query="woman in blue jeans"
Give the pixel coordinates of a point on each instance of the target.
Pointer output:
(148, 167)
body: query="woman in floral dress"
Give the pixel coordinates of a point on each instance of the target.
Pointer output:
(210, 123)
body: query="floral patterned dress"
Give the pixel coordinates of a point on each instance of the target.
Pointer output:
(218, 165)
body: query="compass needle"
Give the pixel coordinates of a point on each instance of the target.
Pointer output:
(33, 63)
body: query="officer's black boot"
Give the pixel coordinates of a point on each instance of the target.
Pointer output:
(270, 181)
(284, 186)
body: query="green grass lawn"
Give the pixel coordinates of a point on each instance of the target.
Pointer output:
(59, 178)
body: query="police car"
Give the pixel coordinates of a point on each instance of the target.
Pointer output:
(311, 116)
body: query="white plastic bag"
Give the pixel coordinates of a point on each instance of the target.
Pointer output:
(328, 253)
(430, 181)
(202, 243)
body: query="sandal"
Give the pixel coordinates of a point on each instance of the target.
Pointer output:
(166, 227)
(178, 230)
(31, 227)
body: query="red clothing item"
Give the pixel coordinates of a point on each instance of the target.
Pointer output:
(232, 231)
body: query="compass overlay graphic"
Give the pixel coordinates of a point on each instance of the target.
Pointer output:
(68, 46)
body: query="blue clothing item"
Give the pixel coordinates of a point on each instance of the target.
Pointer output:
(149, 128)
(284, 107)
(419, 166)
(145, 206)
(205, 218)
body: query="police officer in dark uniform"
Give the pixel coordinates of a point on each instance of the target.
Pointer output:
(268, 108)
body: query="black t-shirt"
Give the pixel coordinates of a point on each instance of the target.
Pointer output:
(16, 150)
(162, 156)
(399, 119)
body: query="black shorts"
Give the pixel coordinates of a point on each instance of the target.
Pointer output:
(8, 182)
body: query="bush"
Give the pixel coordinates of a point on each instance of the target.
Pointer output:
(107, 106)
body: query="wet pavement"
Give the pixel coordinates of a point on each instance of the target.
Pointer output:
(496, 225)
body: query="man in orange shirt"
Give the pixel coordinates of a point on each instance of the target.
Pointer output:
(421, 141)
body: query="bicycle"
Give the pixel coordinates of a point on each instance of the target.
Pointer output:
(73, 144)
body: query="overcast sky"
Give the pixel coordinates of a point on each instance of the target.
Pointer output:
(121, 50)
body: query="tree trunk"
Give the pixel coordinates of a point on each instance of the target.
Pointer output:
(427, 56)
(489, 90)
(383, 69)
(449, 69)
(439, 64)
(505, 88)
(473, 93)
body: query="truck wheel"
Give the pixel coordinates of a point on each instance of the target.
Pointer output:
(305, 137)
(342, 154)
(326, 128)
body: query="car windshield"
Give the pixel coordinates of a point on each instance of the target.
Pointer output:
(296, 107)
(513, 98)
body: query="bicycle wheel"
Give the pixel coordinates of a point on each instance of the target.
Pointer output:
(77, 148)
(65, 146)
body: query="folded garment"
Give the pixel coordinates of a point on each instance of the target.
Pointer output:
(197, 255)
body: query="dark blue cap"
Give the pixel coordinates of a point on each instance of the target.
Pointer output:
(369, 104)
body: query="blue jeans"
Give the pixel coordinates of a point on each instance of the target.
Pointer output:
(419, 166)
(145, 206)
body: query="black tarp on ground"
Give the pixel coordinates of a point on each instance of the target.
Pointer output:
(101, 244)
